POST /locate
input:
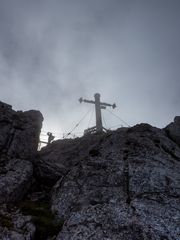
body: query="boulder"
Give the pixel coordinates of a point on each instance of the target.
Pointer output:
(15, 180)
(19, 137)
(125, 185)
(54, 161)
(119, 185)
(173, 130)
(14, 225)
(19, 132)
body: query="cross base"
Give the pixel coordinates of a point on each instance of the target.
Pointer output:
(93, 130)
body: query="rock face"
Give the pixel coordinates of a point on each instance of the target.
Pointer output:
(15, 180)
(15, 226)
(19, 136)
(58, 158)
(120, 185)
(173, 130)
(19, 132)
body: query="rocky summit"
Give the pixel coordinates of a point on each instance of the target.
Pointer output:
(119, 185)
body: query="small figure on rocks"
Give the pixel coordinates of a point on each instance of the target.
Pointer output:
(50, 137)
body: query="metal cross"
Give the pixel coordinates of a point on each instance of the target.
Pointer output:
(98, 106)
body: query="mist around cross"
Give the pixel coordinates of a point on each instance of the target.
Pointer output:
(54, 52)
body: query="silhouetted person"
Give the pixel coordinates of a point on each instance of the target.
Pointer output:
(50, 137)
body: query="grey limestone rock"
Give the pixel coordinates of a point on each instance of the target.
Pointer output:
(53, 162)
(16, 180)
(120, 185)
(14, 225)
(124, 185)
(173, 130)
(19, 136)
(19, 132)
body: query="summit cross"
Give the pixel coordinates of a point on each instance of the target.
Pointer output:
(98, 106)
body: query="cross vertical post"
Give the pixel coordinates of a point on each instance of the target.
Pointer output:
(99, 127)
(98, 106)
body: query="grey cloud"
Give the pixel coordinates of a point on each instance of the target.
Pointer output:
(53, 52)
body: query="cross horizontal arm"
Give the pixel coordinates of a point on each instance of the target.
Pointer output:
(86, 101)
(108, 105)
(89, 101)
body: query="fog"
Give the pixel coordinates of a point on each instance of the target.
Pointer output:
(54, 52)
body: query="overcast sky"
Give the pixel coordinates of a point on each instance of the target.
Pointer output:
(52, 52)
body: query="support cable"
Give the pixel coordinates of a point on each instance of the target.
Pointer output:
(104, 121)
(90, 119)
(77, 124)
(118, 117)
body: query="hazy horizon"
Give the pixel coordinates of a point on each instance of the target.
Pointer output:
(54, 52)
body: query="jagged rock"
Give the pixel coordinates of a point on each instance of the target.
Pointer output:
(53, 162)
(116, 222)
(15, 180)
(19, 132)
(123, 185)
(173, 130)
(14, 225)
(19, 136)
